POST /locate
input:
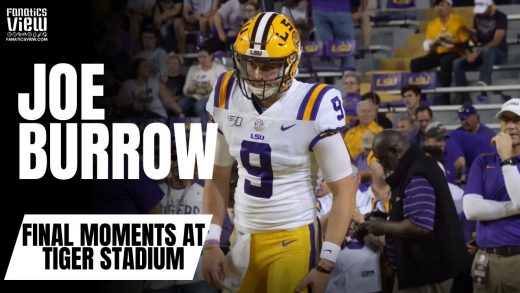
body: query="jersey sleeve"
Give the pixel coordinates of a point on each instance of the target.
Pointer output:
(333, 167)
(220, 96)
(330, 114)
(211, 101)
(219, 99)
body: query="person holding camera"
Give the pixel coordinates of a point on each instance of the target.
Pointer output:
(446, 39)
(424, 241)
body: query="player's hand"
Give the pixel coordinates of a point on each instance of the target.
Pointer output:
(314, 280)
(215, 267)
(504, 145)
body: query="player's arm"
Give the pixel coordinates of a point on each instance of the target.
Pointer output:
(216, 190)
(216, 193)
(215, 201)
(334, 161)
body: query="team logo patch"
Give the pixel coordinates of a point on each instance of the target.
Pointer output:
(259, 125)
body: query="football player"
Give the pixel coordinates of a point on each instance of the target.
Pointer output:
(276, 127)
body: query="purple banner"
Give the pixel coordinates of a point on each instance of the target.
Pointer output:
(312, 49)
(424, 80)
(400, 3)
(386, 81)
(343, 48)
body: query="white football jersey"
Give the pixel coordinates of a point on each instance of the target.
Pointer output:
(273, 149)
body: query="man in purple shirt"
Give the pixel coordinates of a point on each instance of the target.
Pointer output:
(424, 241)
(460, 149)
(470, 122)
(492, 198)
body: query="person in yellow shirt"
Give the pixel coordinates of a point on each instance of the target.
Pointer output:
(366, 110)
(446, 40)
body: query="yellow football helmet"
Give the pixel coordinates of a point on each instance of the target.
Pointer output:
(268, 39)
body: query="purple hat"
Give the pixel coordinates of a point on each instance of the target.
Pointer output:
(465, 111)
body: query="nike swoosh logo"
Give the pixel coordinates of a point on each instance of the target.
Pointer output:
(285, 128)
(286, 243)
(328, 250)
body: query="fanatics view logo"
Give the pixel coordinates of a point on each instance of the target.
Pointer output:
(26, 25)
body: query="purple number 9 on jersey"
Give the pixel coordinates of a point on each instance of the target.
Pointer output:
(336, 105)
(264, 171)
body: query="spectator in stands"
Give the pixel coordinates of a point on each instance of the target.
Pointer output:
(139, 14)
(333, 21)
(359, 7)
(115, 30)
(446, 40)
(351, 88)
(366, 111)
(361, 161)
(424, 240)
(130, 197)
(176, 79)
(154, 53)
(489, 34)
(460, 150)
(196, 15)
(381, 118)
(412, 100)
(182, 197)
(470, 122)
(109, 51)
(199, 82)
(299, 11)
(351, 83)
(125, 196)
(146, 95)
(229, 19)
(164, 15)
(423, 118)
(492, 198)
(405, 125)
